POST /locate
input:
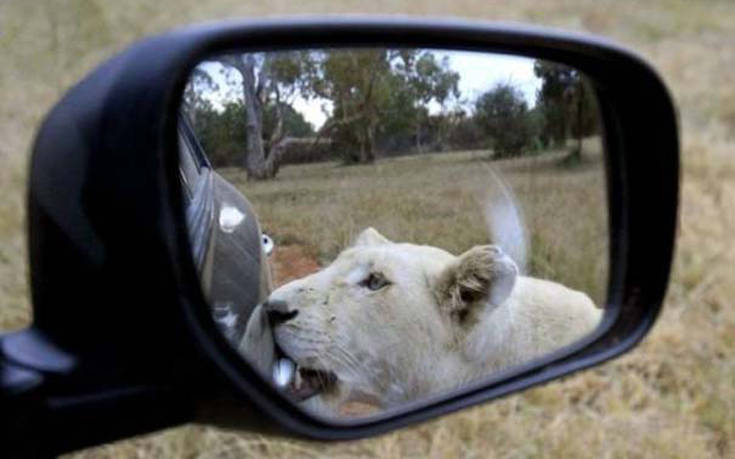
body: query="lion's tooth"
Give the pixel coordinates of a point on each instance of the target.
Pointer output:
(283, 372)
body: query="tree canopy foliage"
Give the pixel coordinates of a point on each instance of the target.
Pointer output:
(502, 113)
(567, 104)
(374, 102)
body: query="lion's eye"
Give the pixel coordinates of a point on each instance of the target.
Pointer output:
(374, 282)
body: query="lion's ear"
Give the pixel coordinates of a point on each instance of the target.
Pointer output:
(481, 277)
(371, 236)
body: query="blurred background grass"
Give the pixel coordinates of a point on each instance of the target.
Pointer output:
(444, 200)
(672, 397)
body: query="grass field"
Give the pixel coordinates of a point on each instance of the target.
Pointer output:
(673, 396)
(445, 200)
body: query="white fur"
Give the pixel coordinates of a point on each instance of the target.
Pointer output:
(419, 335)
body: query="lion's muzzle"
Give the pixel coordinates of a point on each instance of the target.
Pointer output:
(297, 380)
(278, 312)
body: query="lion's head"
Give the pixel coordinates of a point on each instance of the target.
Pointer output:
(387, 322)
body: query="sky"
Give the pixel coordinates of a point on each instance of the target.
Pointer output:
(478, 72)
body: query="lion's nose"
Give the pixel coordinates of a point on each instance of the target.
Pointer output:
(278, 312)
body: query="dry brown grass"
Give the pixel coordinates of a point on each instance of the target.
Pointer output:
(672, 397)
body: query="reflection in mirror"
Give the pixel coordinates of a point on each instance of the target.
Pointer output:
(425, 218)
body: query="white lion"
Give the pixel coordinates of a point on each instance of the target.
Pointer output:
(388, 323)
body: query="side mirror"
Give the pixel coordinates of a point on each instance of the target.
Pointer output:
(201, 253)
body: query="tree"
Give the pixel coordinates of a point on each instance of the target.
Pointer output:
(567, 104)
(426, 80)
(556, 81)
(267, 80)
(380, 92)
(194, 100)
(291, 121)
(502, 114)
(464, 131)
(583, 115)
(221, 133)
(357, 83)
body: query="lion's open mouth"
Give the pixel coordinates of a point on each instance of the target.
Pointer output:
(300, 382)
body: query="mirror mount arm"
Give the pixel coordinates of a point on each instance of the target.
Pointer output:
(18, 386)
(42, 390)
(24, 355)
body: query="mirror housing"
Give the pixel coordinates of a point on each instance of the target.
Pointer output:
(122, 340)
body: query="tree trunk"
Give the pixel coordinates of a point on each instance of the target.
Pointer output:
(370, 141)
(573, 98)
(575, 155)
(257, 165)
(418, 137)
(254, 160)
(580, 111)
(273, 161)
(362, 142)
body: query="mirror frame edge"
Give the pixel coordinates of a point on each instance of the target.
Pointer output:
(602, 62)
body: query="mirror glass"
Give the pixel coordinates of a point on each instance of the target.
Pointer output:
(373, 227)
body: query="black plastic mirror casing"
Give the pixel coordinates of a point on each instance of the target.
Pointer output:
(122, 342)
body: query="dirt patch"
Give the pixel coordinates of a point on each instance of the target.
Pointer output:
(290, 262)
(357, 409)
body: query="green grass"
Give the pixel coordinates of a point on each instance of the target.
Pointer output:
(442, 200)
